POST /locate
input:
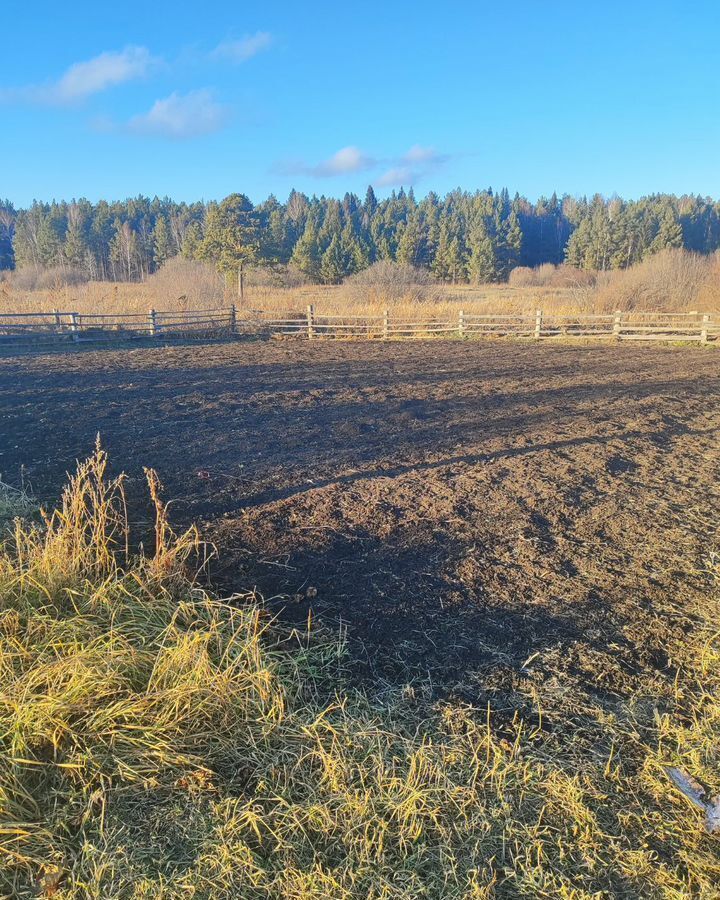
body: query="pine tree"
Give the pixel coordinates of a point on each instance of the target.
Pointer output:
(351, 250)
(332, 265)
(411, 244)
(482, 265)
(371, 203)
(75, 248)
(8, 217)
(456, 261)
(513, 242)
(191, 240)
(441, 261)
(161, 242)
(231, 234)
(50, 241)
(305, 256)
(669, 234)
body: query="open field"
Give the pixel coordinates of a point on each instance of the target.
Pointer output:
(490, 501)
(673, 281)
(117, 298)
(516, 546)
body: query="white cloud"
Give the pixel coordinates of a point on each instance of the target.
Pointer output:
(412, 167)
(83, 79)
(407, 169)
(344, 162)
(349, 159)
(181, 116)
(245, 48)
(400, 175)
(418, 155)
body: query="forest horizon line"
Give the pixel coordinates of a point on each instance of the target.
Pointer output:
(477, 237)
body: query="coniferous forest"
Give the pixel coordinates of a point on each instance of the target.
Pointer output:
(463, 237)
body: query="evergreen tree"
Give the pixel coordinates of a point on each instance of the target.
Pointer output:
(352, 251)
(669, 234)
(480, 235)
(76, 247)
(482, 264)
(306, 254)
(411, 246)
(231, 234)
(161, 242)
(7, 232)
(191, 240)
(332, 264)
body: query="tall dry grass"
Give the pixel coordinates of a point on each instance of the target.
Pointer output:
(158, 743)
(672, 281)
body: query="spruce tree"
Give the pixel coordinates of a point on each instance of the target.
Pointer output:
(332, 264)
(305, 256)
(669, 234)
(351, 250)
(161, 242)
(482, 265)
(191, 240)
(371, 203)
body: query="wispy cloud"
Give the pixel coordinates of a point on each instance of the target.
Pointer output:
(344, 162)
(181, 116)
(426, 156)
(408, 169)
(399, 175)
(244, 49)
(413, 166)
(83, 79)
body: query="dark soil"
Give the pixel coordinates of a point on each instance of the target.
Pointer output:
(485, 517)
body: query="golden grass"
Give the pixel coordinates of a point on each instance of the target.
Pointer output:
(674, 281)
(123, 298)
(158, 743)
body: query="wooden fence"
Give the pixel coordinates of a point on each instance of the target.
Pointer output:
(59, 327)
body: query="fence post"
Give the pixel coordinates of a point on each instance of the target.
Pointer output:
(538, 324)
(616, 324)
(58, 323)
(152, 316)
(461, 323)
(386, 323)
(75, 326)
(233, 319)
(310, 320)
(704, 329)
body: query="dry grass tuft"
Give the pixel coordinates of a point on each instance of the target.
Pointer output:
(14, 503)
(158, 743)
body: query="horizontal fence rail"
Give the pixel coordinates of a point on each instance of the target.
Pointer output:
(59, 327)
(70, 327)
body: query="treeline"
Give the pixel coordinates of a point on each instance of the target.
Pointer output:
(478, 237)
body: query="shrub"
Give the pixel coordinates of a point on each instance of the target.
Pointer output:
(548, 275)
(50, 279)
(392, 283)
(670, 280)
(186, 284)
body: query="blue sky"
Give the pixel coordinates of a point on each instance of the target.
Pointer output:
(199, 100)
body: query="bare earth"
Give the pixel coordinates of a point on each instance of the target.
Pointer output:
(488, 519)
